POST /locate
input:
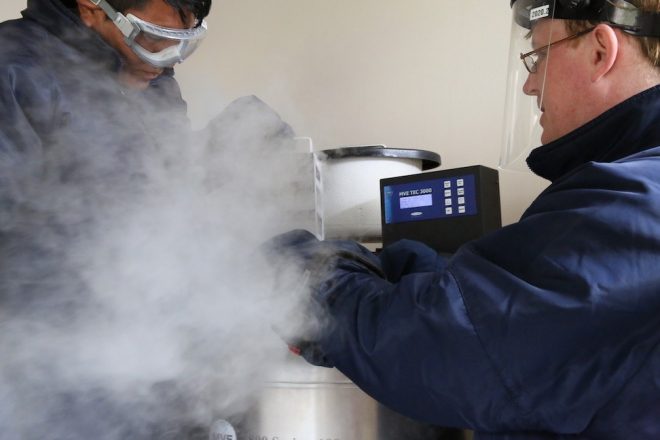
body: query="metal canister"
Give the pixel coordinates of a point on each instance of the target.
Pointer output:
(303, 402)
(300, 401)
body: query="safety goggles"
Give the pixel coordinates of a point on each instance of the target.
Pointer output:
(176, 44)
(157, 45)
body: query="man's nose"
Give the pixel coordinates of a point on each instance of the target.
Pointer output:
(530, 88)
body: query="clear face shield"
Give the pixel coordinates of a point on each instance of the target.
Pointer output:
(532, 41)
(157, 45)
(529, 54)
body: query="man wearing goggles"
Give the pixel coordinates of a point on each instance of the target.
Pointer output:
(150, 35)
(88, 101)
(550, 327)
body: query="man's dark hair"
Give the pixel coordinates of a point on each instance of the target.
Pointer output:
(198, 8)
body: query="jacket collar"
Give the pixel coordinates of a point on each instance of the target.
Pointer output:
(66, 26)
(630, 127)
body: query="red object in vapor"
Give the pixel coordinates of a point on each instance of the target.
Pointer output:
(294, 350)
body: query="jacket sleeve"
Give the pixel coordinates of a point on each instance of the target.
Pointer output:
(411, 344)
(534, 327)
(407, 257)
(27, 112)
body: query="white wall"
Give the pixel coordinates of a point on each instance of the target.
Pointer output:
(11, 9)
(426, 74)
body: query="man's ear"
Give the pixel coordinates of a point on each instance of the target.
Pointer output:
(90, 14)
(605, 49)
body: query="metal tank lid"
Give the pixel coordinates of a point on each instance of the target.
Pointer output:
(429, 159)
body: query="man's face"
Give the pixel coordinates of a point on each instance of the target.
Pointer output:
(135, 72)
(561, 82)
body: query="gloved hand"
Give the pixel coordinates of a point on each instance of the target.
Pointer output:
(405, 257)
(314, 263)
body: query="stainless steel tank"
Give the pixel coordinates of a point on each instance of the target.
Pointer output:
(303, 402)
(300, 401)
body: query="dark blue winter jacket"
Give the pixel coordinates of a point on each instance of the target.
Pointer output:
(72, 138)
(73, 144)
(547, 328)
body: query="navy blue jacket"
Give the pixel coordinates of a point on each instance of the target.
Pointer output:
(70, 134)
(546, 328)
(73, 143)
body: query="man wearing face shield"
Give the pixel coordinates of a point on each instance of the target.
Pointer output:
(87, 100)
(549, 327)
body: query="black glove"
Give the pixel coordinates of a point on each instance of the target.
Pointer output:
(315, 262)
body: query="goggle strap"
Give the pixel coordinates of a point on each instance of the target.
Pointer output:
(123, 24)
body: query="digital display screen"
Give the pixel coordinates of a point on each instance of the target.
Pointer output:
(416, 201)
(451, 196)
